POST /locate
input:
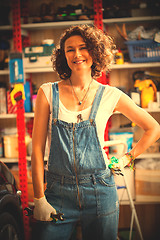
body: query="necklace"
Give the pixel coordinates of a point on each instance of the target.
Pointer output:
(85, 95)
(79, 116)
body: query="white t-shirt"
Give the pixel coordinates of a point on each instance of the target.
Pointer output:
(107, 105)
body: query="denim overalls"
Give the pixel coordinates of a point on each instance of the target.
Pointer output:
(78, 182)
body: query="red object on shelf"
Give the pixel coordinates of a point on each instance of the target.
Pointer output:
(10, 107)
(17, 42)
(22, 162)
(29, 125)
(98, 17)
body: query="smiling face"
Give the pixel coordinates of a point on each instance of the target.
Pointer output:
(77, 55)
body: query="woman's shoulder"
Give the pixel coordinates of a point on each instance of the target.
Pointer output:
(47, 85)
(111, 90)
(46, 88)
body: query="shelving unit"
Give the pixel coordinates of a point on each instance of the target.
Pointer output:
(64, 24)
(36, 26)
(126, 67)
(114, 67)
(142, 156)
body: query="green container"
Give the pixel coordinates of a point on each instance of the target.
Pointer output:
(43, 50)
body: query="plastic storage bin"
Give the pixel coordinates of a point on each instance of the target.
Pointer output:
(143, 51)
(11, 146)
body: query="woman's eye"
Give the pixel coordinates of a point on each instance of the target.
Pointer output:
(83, 48)
(70, 50)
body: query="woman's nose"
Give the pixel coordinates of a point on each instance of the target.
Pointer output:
(77, 53)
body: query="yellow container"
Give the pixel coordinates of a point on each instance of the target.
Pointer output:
(119, 57)
(11, 146)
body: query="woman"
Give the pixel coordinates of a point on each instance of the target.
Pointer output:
(73, 114)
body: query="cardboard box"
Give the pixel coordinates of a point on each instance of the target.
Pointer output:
(3, 101)
(147, 183)
(121, 187)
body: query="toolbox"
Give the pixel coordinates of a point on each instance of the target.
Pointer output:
(38, 56)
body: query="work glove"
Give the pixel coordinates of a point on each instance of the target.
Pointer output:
(117, 165)
(42, 209)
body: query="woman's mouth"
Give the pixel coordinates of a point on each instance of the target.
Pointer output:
(79, 61)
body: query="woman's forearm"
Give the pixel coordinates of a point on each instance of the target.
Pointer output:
(37, 175)
(147, 139)
(39, 136)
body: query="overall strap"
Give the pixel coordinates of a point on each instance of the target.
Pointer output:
(55, 100)
(96, 102)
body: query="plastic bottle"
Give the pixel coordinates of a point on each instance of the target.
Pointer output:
(119, 57)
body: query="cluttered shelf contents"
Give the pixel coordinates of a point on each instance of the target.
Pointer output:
(37, 57)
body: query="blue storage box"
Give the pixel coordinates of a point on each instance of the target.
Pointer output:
(143, 51)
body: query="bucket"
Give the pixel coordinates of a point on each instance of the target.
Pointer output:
(126, 137)
(11, 146)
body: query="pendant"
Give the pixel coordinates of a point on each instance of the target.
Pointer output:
(79, 118)
(80, 102)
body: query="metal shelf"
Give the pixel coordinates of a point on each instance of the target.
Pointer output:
(14, 115)
(131, 19)
(38, 70)
(9, 160)
(136, 65)
(4, 72)
(31, 114)
(149, 155)
(114, 67)
(143, 155)
(15, 160)
(157, 110)
(64, 24)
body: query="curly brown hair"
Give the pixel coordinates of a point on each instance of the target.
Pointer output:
(99, 45)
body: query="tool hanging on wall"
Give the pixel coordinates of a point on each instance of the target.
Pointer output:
(148, 91)
(146, 87)
(16, 68)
